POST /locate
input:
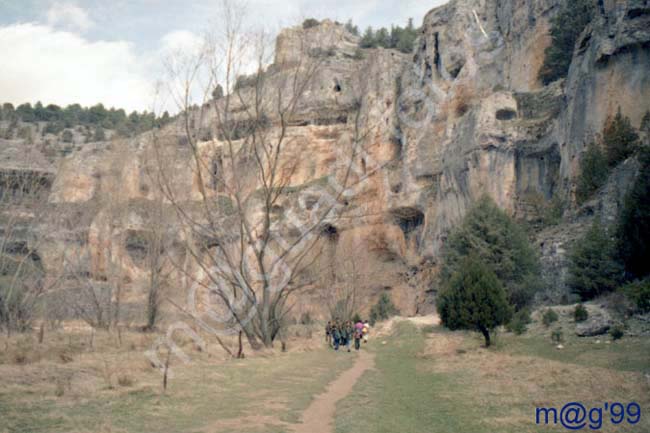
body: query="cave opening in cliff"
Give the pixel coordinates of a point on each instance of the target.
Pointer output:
(136, 245)
(638, 12)
(436, 47)
(215, 173)
(456, 71)
(329, 232)
(506, 114)
(396, 140)
(408, 219)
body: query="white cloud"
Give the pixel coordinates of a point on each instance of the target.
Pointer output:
(69, 16)
(56, 62)
(64, 68)
(181, 41)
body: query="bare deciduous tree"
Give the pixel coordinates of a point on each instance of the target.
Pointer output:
(246, 246)
(23, 203)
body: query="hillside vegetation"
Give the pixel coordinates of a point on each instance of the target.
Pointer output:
(25, 121)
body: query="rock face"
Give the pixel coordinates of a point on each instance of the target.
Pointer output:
(326, 38)
(462, 116)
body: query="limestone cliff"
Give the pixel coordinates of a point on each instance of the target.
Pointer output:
(462, 116)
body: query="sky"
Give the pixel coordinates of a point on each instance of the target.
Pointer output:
(111, 51)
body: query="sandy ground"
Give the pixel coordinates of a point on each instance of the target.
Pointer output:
(386, 327)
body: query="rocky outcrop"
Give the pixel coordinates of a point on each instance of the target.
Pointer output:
(462, 116)
(598, 323)
(492, 128)
(325, 39)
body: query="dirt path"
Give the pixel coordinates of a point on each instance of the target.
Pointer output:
(319, 416)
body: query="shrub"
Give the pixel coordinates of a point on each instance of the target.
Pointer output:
(494, 238)
(639, 293)
(20, 357)
(52, 128)
(246, 81)
(580, 314)
(368, 39)
(65, 356)
(616, 332)
(622, 306)
(17, 301)
(399, 38)
(99, 134)
(26, 134)
(309, 23)
(356, 318)
(620, 139)
(474, 299)
(645, 123)
(350, 27)
(124, 380)
(383, 309)
(633, 231)
(319, 52)
(67, 136)
(557, 336)
(594, 172)
(593, 267)
(566, 27)
(217, 93)
(520, 321)
(59, 391)
(549, 317)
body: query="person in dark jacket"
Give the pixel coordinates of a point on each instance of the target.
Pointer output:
(328, 333)
(349, 334)
(358, 335)
(336, 335)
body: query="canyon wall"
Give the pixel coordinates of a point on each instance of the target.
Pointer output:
(462, 116)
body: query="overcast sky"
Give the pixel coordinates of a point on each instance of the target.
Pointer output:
(109, 51)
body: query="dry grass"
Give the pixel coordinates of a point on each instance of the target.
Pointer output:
(65, 385)
(446, 382)
(513, 382)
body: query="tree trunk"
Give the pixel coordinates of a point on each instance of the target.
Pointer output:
(240, 351)
(169, 353)
(486, 335)
(250, 336)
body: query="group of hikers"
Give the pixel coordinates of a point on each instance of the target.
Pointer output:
(340, 333)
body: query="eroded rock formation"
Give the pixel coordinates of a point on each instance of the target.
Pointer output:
(463, 115)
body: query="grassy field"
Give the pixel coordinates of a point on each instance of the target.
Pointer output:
(445, 382)
(425, 379)
(261, 394)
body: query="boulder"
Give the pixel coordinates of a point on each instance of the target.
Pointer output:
(597, 324)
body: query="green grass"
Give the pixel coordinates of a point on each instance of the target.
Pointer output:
(398, 397)
(470, 389)
(427, 379)
(202, 394)
(627, 354)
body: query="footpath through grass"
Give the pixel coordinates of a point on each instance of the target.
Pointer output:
(400, 397)
(445, 382)
(252, 395)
